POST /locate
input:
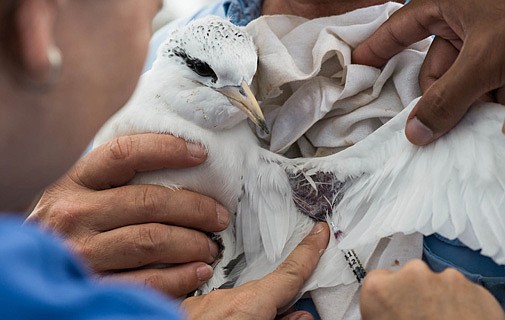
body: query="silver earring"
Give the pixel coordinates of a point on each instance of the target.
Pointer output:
(55, 60)
(53, 75)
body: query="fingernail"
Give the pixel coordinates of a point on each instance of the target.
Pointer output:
(204, 273)
(318, 227)
(418, 132)
(196, 150)
(213, 249)
(222, 215)
(303, 316)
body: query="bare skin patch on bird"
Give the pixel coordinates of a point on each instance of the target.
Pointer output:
(316, 195)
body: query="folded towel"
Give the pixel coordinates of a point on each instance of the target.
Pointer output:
(317, 102)
(313, 97)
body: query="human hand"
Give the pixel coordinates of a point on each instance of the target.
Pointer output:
(464, 62)
(119, 228)
(261, 299)
(415, 292)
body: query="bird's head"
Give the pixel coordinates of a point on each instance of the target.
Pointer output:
(214, 62)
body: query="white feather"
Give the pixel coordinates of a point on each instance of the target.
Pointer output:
(454, 186)
(245, 178)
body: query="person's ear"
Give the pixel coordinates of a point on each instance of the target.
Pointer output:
(39, 57)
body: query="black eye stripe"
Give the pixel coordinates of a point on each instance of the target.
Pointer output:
(199, 67)
(202, 69)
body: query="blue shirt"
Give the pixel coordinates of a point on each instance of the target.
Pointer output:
(40, 279)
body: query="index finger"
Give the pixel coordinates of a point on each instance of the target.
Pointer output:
(412, 23)
(287, 280)
(116, 162)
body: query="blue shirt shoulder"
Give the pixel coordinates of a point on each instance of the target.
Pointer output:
(42, 280)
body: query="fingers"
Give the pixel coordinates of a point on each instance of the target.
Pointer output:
(298, 315)
(287, 280)
(449, 98)
(439, 59)
(384, 291)
(87, 211)
(375, 278)
(262, 298)
(175, 281)
(116, 162)
(149, 203)
(473, 30)
(140, 245)
(415, 292)
(412, 23)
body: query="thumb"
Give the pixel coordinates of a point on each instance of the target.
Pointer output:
(447, 100)
(287, 280)
(298, 315)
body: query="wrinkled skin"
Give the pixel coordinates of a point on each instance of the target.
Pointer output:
(115, 226)
(415, 292)
(261, 299)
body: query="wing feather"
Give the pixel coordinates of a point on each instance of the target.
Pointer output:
(455, 186)
(271, 217)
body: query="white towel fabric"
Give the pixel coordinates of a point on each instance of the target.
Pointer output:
(317, 102)
(313, 97)
(342, 302)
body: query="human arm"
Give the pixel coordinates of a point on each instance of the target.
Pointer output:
(464, 63)
(415, 292)
(261, 299)
(118, 227)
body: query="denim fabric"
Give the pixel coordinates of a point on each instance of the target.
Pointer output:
(306, 304)
(241, 12)
(441, 253)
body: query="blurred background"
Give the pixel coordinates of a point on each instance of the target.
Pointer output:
(174, 9)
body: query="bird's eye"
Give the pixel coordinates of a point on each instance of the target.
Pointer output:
(203, 69)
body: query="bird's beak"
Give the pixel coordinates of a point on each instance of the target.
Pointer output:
(243, 98)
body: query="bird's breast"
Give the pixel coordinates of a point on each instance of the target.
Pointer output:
(231, 156)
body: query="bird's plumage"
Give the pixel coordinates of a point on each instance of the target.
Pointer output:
(173, 98)
(454, 187)
(380, 186)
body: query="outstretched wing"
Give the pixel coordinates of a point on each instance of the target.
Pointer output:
(454, 186)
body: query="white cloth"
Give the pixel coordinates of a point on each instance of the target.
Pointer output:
(342, 302)
(317, 102)
(313, 97)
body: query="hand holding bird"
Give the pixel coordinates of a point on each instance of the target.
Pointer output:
(464, 63)
(263, 298)
(191, 93)
(161, 225)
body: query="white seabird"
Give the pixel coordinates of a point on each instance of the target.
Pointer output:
(198, 90)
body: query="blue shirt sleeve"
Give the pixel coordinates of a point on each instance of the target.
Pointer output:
(441, 253)
(40, 279)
